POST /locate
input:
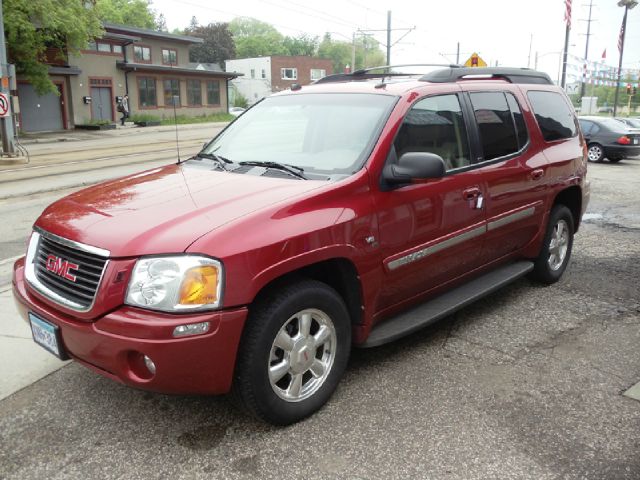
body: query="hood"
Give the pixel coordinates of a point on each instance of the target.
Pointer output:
(163, 210)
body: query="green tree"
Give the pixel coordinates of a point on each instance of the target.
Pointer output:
(301, 45)
(254, 38)
(32, 27)
(218, 44)
(368, 53)
(161, 23)
(134, 13)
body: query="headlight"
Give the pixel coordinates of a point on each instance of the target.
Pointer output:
(176, 283)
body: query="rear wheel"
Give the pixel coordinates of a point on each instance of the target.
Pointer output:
(556, 250)
(595, 153)
(293, 352)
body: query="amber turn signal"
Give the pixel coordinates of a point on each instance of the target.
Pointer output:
(199, 286)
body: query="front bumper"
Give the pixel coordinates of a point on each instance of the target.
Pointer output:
(113, 344)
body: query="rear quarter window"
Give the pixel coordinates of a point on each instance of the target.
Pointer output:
(554, 117)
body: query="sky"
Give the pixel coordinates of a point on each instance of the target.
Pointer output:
(498, 30)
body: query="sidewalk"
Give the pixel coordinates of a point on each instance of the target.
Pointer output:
(22, 361)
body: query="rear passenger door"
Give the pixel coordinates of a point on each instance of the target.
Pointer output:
(512, 170)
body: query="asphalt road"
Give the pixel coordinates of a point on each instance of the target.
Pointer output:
(526, 383)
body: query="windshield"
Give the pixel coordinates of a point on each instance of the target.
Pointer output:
(322, 133)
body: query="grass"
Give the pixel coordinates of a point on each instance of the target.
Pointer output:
(181, 119)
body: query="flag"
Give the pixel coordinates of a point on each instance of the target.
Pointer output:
(567, 12)
(621, 37)
(604, 54)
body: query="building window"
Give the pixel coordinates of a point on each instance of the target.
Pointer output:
(318, 73)
(171, 92)
(263, 73)
(253, 73)
(289, 73)
(117, 48)
(169, 56)
(141, 54)
(213, 92)
(194, 93)
(147, 92)
(104, 47)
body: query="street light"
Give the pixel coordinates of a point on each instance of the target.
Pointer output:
(628, 5)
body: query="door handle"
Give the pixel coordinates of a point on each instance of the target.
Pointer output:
(537, 174)
(471, 193)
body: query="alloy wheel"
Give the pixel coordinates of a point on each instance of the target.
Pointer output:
(558, 245)
(302, 355)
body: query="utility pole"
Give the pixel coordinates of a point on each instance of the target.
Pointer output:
(530, 46)
(586, 50)
(627, 4)
(388, 37)
(458, 54)
(6, 123)
(353, 53)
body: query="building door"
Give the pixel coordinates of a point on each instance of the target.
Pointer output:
(40, 112)
(101, 99)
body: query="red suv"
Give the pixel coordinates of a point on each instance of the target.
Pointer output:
(349, 212)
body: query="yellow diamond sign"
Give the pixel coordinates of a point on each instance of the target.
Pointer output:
(475, 61)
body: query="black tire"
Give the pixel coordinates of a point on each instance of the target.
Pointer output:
(543, 270)
(252, 385)
(595, 153)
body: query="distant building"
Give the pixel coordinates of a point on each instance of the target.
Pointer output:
(262, 76)
(152, 67)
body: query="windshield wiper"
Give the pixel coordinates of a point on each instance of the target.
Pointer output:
(292, 169)
(223, 162)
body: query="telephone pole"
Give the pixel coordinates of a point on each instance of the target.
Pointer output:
(586, 52)
(388, 37)
(6, 122)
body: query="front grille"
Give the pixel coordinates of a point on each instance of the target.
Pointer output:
(80, 292)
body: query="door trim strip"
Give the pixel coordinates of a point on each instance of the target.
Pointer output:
(510, 218)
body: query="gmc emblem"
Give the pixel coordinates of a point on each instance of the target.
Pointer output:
(62, 268)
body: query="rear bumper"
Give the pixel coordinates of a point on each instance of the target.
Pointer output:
(621, 151)
(112, 345)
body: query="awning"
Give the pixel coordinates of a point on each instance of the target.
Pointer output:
(53, 70)
(146, 67)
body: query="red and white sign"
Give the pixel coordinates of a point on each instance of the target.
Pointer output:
(4, 105)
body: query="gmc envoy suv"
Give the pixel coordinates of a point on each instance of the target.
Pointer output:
(350, 212)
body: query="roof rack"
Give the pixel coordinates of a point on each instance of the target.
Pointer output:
(513, 75)
(367, 73)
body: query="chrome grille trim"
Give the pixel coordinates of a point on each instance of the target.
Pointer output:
(89, 281)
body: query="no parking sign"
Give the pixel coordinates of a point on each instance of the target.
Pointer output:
(4, 105)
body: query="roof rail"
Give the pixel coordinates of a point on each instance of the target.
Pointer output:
(371, 72)
(513, 75)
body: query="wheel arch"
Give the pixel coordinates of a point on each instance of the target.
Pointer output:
(340, 273)
(571, 197)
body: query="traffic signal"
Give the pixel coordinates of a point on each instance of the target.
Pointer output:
(628, 89)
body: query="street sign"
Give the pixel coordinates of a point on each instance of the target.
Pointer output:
(475, 61)
(4, 105)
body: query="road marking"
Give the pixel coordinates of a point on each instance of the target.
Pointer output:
(633, 392)
(10, 260)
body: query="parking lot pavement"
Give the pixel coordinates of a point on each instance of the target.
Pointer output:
(526, 383)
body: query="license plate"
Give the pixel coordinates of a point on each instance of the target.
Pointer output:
(47, 336)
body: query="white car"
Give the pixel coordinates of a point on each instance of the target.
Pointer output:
(236, 111)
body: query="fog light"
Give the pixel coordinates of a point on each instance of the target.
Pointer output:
(150, 365)
(192, 329)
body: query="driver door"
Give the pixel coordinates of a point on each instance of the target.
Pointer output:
(431, 232)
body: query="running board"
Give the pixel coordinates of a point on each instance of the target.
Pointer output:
(446, 304)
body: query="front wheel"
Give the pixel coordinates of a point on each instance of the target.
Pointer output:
(293, 353)
(595, 153)
(556, 250)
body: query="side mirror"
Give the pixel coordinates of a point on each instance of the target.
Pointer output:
(414, 166)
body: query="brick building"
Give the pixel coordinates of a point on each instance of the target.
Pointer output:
(262, 76)
(152, 67)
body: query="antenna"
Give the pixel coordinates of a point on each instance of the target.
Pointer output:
(175, 114)
(175, 121)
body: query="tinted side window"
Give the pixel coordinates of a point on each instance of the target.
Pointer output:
(497, 130)
(586, 126)
(553, 115)
(435, 125)
(518, 119)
